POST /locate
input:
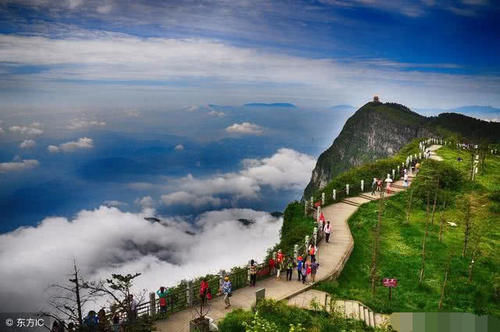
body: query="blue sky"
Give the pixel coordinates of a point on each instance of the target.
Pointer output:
(231, 52)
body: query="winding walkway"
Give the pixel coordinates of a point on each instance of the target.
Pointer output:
(331, 256)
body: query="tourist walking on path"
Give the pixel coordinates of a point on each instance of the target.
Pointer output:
(162, 295)
(204, 291)
(303, 272)
(328, 231)
(374, 185)
(379, 185)
(299, 268)
(253, 273)
(405, 180)
(314, 269)
(272, 264)
(312, 251)
(289, 268)
(227, 291)
(388, 182)
(279, 263)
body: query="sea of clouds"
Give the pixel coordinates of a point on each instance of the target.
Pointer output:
(107, 240)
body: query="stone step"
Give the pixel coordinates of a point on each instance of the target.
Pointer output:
(346, 201)
(371, 198)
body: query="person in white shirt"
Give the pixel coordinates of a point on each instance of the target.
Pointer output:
(327, 230)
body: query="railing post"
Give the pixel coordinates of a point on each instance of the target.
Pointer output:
(398, 170)
(315, 236)
(322, 198)
(393, 174)
(420, 156)
(362, 185)
(296, 251)
(306, 241)
(189, 293)
(334, 195)
(347, 189)
(312, 202)
(305, 207)
(152, 304)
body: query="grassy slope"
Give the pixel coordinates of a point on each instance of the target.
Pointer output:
(400, 255)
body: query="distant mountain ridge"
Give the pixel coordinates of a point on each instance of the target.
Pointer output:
(270, 105)
(378, 130)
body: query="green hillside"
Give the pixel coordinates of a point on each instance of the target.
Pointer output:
(400, 254)
(380, 130)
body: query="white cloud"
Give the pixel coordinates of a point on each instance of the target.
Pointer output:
(32, 130)
(179, 147)
(107, 240)
(82, 143)
(245, 128)
(145, 202)
(185, 198)
(77, 124)
(112, 56)
(18, 165)
(27, 143)
(285, 170)
(216, 113)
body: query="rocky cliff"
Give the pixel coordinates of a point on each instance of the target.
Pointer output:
(377, 130)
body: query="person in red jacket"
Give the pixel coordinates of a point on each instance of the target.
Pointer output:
(204, 291)
(272, 263)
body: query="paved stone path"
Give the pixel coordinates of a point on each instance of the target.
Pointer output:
(350, 308)
(434, 156)
(331, 256)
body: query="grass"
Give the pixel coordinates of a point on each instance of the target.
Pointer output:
(401, 246)
(282, 316)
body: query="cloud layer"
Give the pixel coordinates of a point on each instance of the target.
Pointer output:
(18, 165)
(287, 169)
(107, 240)
(82, 143)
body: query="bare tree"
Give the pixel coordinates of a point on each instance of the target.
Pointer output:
(435, 201)
(467, 223)
(376, 243)
(118, 290)
(422, 269)
(69, 299)
(443, 286)
(441, 221)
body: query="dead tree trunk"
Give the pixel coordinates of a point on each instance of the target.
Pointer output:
(422, 269)
(376, 239)
(443, 287)
(441, 222)
(434, 205)
(468, 225)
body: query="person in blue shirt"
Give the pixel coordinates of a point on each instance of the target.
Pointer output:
(227, 291)
(299, 267)
(91, 322)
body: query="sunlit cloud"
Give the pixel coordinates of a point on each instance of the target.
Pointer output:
(84, 143)
(22, 165)
(246, 128)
